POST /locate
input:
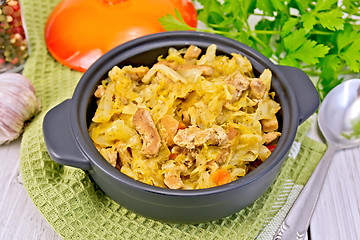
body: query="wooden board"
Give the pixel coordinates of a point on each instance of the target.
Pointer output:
(19, 218)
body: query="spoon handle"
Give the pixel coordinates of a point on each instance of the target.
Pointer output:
(297, 220)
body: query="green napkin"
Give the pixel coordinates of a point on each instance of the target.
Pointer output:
(77, 208)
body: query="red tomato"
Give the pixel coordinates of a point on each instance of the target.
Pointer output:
(271, 147)
(80, 31)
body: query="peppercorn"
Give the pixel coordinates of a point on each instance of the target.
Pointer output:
(13, 44)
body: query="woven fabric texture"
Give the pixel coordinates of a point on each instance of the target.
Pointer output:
(75, 206)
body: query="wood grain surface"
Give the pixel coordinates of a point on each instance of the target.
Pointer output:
(19, 218)
(337, 214)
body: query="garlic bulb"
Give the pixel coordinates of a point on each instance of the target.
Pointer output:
(18, 104)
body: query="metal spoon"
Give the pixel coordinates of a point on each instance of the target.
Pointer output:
(339, 108)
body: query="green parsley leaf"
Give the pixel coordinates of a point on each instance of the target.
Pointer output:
(352, 56)
(229, 6)
(265, 24)
(332, 19)
(289, 61)
(348, 45)
(170, 23)
(301, 5)
(322, 5)
(309, 21)
(246, 7)
(346, 37)
(209, 10)
(266, 6)
(293, 41)
(329, 65)
(309, 52)
(351, 6)
(289, 26)
(269, 6)
(244, 38)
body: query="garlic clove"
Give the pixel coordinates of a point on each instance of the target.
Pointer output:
(18, 104)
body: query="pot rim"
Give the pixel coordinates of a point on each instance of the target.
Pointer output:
(85, 88)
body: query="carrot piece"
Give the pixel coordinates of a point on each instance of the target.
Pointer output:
(232, 132)
(181, 126)
(173, 156)
(221, 177)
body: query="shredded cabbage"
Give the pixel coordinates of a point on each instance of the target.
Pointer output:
(188, 122)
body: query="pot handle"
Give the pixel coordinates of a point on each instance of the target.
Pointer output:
(307, 96)
(59, 139)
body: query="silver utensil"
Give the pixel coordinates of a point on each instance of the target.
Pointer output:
(337, 112)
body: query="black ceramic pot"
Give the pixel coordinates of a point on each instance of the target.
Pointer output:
(68, 142)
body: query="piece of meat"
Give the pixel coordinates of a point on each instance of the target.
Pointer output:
(186, 137)
(257, 88)
(207, 71)
(173, 180)
(193, 137)
(100, 91)
(189, 155)
(110, 155)
(270, 137)
(222, 156)
(168, 127)
(269, 125)
(145, 126)
(170, 64)
(190, 158)
(192, 52)
(136, 74)
(172, 174)
(212, 136)
(240, 82)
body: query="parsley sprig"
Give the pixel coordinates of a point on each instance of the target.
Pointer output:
(320, 37)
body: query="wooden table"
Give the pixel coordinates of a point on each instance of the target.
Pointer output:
(337, 215)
